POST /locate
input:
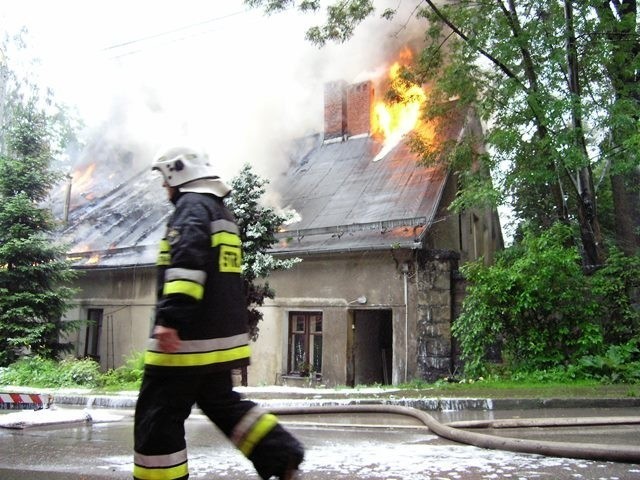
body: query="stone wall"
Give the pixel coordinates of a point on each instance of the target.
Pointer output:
(436, 290)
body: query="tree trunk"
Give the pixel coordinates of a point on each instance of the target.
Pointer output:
(625, 186)
(593, 250)
(626, 207)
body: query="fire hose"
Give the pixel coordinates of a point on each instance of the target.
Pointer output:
(453, 431)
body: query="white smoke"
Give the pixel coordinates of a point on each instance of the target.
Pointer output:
(237, 83)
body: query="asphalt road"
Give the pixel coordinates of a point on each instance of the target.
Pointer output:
(339, 447)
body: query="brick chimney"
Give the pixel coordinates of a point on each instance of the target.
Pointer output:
(359, 108)
(335, 109)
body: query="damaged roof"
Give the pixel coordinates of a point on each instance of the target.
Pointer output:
(343, 200)
(121, 228)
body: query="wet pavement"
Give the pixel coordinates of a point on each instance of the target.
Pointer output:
(364, 446)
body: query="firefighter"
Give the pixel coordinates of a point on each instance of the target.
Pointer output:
(200, 334)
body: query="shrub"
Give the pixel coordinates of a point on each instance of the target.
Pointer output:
(534, 303)
(37, 371)
(129, 374)
(539, 309)
(620, 364)
(85, 373)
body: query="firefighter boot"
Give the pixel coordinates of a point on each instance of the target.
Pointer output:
(292, 472)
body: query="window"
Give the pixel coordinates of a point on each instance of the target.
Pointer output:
(305, 343)
(92, 339)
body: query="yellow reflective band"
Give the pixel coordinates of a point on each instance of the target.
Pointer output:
(258, 432)
(171, 473)
(164, 255)
(196, 359)
(164, 259)
(225, 238)
(192, 289)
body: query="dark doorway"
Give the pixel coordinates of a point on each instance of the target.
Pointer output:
(93, 333)
(370, 348)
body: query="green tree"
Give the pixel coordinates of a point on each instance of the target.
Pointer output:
(554, 107)
(33, 269)
(258, 225)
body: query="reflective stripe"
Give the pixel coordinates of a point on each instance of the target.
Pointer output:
(196, 359)
(224, 226)
(164, 255)
(163, 473)
(198, 276)
(186, 281)
(225, 238)
(260, 429)
(168, 460)
(185, 287)
(160, 467)
(244, 425)
(208, 345)
(225, 232)
(164, 259)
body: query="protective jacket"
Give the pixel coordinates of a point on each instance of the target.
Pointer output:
(200, 289)
(200, 294)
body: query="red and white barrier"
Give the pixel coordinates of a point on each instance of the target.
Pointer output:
(19, 401)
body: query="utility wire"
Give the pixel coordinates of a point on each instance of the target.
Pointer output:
(170, 32)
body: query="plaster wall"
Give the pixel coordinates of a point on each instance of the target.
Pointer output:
(126, 298)
(332, 285)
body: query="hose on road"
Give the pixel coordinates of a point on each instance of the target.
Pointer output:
(586, 451)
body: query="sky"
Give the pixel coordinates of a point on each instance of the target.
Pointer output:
(214, 75)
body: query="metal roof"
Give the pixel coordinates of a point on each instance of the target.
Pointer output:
(122, 227)
(345, 200)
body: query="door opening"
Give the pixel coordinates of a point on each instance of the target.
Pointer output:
(93, 333)
(370, 356)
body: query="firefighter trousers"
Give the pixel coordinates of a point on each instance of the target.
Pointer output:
(165, 402)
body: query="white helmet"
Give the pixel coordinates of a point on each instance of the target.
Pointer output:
(189, 171)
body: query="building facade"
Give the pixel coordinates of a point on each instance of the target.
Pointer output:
(377, 290)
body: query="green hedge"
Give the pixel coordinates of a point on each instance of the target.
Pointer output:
(36, 371)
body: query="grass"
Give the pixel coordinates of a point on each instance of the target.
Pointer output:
(40, 373)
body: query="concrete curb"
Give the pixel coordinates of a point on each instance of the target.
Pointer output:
(425, 404)
(270, 397)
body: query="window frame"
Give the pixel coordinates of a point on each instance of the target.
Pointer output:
(311, 339)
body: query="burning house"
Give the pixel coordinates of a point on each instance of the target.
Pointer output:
(378, 287)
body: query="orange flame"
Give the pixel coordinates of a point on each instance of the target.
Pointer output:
(94, 259)
(393, 120)
(83, 179)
